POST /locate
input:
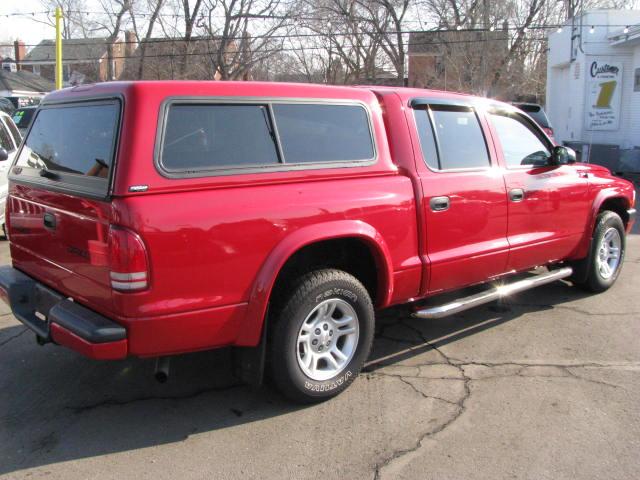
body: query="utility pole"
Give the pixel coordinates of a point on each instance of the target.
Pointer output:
(485, 50)
(58, 48)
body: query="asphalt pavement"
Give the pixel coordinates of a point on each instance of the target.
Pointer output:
(544, 386)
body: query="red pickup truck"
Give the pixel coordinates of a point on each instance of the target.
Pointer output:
(157, 218)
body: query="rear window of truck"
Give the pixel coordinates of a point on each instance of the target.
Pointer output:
(72, 147)
(209, 136)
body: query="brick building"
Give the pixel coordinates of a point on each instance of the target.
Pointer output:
(463, 61)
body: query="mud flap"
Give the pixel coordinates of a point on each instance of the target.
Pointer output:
(249, 362)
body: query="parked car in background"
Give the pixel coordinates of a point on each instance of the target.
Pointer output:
(6, 105)
(157, 218)
(10, 140)
(22, 118)
(536, 112)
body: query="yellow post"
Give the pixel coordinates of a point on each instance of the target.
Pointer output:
(58, 48)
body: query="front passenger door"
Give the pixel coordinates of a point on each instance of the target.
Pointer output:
(548, 204)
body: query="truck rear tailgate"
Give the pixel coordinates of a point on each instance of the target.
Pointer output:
(58, 212)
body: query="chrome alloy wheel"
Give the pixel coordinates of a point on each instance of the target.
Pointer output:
(608, 255)
(327, 339)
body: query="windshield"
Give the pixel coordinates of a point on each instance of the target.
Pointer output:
(75, 140)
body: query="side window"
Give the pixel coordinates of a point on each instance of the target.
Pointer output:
(520, 143)
(451, 138)
(323, 133)
(5, 138)
(206, 136)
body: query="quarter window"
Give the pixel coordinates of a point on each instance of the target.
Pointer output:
(323, 133)
(451, 138)
(520, 144)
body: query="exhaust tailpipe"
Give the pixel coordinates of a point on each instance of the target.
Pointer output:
(162, 369)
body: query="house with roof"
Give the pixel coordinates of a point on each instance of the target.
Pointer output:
(593, 87)
(22, 87)
(84, 60)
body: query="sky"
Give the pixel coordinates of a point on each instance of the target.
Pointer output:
(23, 27)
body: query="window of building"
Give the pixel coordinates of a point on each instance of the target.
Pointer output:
(636, 80)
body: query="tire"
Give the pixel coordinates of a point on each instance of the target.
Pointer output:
(304, 329)
(603, 269)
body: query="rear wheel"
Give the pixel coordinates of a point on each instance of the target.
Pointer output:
(322, 336)
(607, 253)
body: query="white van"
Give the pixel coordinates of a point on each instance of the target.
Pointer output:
(10, 139)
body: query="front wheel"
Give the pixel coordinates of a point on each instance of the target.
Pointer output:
(322, 336)
(607, 253)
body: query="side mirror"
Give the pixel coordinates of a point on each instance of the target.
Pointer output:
(563, 155)
(4, 155)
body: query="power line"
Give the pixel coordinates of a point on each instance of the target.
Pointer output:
(263, 51)
(293, 35)
(293, 17)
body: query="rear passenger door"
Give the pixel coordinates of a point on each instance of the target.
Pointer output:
(463, 195)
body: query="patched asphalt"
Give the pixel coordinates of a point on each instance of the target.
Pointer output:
(544, 386)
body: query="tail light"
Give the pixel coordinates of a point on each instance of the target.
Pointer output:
(128, 264)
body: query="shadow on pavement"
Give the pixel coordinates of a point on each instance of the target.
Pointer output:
(56, 406)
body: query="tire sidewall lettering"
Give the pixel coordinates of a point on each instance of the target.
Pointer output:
(329, 384)
(337, 292)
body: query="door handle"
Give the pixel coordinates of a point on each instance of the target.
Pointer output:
(49, 221)
(439, 204)
(583, 174)
(516, 195)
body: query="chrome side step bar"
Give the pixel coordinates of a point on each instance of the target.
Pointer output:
(493, 294)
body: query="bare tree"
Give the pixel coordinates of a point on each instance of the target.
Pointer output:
(116, 14)
(73, 21)
(386, 18)
(190, 15)
(237, 41)
(345, 46)
(155, 6)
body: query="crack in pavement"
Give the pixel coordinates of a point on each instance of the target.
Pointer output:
(25, 329)
(111, 402)
(461, 405)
